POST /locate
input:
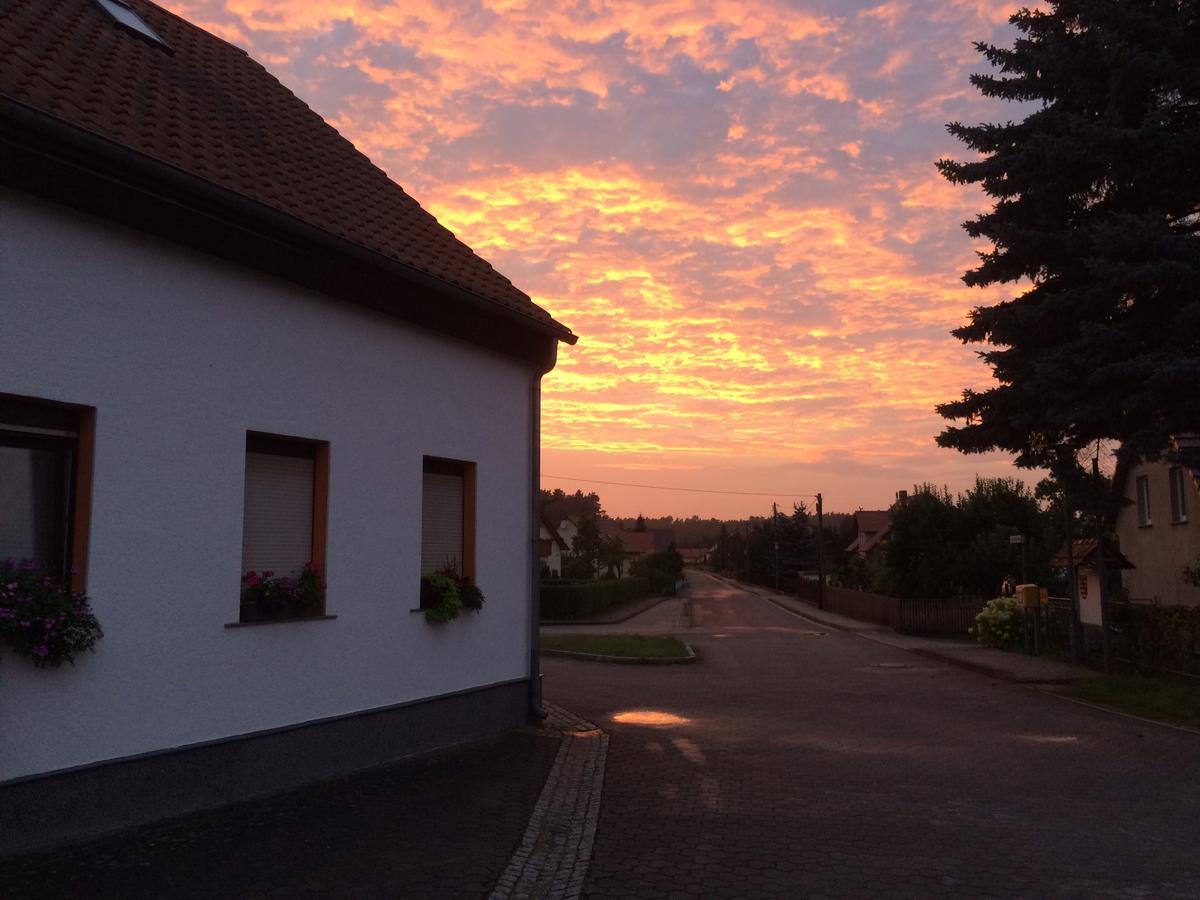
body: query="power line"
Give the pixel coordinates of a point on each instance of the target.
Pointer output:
(661, 487)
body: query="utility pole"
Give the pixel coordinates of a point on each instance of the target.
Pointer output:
(775, 527)
(820, 555)
(746, 555)
(1073, 587)
(1105, 636)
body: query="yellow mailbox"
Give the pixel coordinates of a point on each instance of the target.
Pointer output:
(1028, 596)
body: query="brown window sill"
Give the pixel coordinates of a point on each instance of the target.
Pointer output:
(282, 621)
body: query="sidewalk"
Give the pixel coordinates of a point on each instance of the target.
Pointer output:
(439, 826)
(968, 654)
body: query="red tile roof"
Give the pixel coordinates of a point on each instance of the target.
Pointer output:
(873, 526)
(1083, 552)
(209, 110)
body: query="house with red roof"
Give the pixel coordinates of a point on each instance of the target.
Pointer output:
(873, 527)
(250, 393)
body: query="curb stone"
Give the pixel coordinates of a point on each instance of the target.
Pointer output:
(552, 860)
(635, 660)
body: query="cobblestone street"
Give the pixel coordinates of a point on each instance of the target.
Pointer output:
(793, 761)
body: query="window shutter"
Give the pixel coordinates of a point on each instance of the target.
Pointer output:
(277, 533)
(441, 522)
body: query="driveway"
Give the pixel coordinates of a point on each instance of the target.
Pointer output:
(795, 761)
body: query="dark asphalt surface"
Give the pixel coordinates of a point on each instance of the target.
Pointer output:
(438, 828)
(788, 763)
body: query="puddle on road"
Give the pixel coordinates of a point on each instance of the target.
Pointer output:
(649, 717)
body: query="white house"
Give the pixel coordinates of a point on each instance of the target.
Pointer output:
(229, 343)
(1159, 527)
(551, 546)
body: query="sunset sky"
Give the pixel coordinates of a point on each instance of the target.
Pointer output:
(732, 202)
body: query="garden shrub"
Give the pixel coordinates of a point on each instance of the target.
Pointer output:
(999, 624)
(1157, 637)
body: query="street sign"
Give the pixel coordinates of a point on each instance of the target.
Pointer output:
(1016, 538)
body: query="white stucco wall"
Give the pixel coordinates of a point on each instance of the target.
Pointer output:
(181, 354)
(1160, 550)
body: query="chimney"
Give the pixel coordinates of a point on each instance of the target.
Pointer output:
(901, 496)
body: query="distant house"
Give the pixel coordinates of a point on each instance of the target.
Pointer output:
(228, 342)
(551, 546)
(1159, 527)
(1087, 573)
(695, 556)
(568, 530)
(873, 526)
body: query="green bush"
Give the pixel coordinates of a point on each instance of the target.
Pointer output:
(661, 569)
(583, 600)
(999, 624)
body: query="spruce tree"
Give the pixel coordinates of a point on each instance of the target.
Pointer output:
(1097, 216)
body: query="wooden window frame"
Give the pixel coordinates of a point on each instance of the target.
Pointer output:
(45, 417)
(318, 451)
(439, 465)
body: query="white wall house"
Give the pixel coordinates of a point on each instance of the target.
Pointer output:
(1159, 527)
(243, 374)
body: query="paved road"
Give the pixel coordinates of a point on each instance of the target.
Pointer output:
(441, 827)
(790, 762)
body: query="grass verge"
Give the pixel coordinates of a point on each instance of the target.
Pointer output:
(632, 646)
(1165, 699)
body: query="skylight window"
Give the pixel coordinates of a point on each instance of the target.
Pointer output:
(130, 20)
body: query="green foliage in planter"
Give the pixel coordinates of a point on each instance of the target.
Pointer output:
(999, 624)
(471, 595)
(449, 599)
(41, 619)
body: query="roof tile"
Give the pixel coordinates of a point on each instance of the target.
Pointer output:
(208, 109)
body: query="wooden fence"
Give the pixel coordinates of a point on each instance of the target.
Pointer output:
(950, 617)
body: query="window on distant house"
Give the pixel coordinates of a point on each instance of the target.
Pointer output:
(283, 532)
(46, 486)
(448, 516)
(1176, 482)
(1143, 500)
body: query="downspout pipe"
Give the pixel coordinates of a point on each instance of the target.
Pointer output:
(537, 711)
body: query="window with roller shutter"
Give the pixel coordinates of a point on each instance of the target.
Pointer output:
(283, 526)
(45, 485)
(448, 516)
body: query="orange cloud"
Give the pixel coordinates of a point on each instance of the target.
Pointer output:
(763, 295)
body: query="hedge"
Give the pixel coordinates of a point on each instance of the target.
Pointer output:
(589, 598)
(1157, 638)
